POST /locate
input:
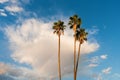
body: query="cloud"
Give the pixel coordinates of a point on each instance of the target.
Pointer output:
(90, 47)
(14, 1)
(107, 70)
(103, 56)
(102, 76)
(14, 8)
(1, 10)
(3, 14)
(18, 73)
(97, 76)
(116, 75)
(3, 68)
(95, 60)
(5, 77)
(92, 65)
(3, 1)
(34, 43)
(92, 31)
(26, 1)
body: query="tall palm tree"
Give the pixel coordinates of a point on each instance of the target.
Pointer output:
(74, 23)
(81, 36)
(58, 28)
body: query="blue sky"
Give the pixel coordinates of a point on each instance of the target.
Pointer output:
(19, 40)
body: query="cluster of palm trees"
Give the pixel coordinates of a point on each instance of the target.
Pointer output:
(79, 35)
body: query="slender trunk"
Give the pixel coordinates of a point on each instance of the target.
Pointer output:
(78, 57)
(59, 67)
(74, 58)
(74, 29)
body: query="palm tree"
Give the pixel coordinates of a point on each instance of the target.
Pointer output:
(81, 36)
(59, 29)
(74, 23)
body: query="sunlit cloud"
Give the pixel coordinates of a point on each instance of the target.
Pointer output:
(97, 76)
(3, 14)
(93, 65)
(18, 73)
(2, 68)
(95, 60)
(34, 43)
(103, 56)
(11, 7)
(3, 1)
(107, 70)
(14, 8)
(93, 30)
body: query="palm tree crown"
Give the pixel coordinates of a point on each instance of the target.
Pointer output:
(81, 35)
(59, 27)
(74, 22)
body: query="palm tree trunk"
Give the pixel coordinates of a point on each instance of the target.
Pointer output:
(78, 57)
(59, 67)
(74, 29)
(74, 58)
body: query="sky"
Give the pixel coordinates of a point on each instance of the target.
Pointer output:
(28, 47)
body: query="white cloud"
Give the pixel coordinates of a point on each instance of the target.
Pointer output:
(3, 14)
(3, 1)
(102, 76)
(107, 70)
(14, 1)
(92, 65)
(94, 59)
(26, 1)
(34, 43)
(93, 31)
(93, 62)
(90, 47)
(2, 10)
(19, 73)
(3, 68)
(97, 76)
(103, 56)
(14, 8)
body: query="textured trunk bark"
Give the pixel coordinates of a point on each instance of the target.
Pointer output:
(59, 66)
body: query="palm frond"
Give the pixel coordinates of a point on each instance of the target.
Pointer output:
(59, 27)
(74, 20)
(81, 35)
(71, 26)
